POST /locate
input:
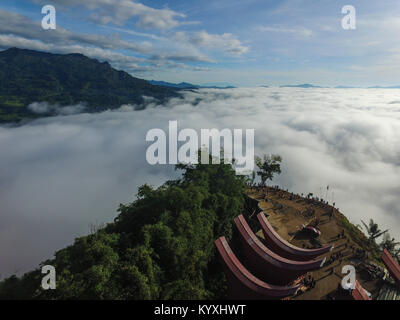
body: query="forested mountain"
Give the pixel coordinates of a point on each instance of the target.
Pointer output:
(28, 76)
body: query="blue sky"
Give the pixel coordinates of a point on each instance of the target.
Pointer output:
(246, 43)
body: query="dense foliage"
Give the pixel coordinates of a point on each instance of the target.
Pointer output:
(28, 76)
(161, 246)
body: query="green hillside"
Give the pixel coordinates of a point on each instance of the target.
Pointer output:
(28, 76)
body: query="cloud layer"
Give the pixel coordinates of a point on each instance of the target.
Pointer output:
(58, 175)
(46, 108)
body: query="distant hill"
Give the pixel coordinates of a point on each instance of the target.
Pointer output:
(374, 87)
(381, 87)
(186, 85)
(182, 85)
(305, 85)
(28, 76)
(218, 85)
(345, 87)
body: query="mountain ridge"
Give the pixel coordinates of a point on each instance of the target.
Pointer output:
(28, 76)
(186, 85)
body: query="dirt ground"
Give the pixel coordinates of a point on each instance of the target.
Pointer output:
(287, 212)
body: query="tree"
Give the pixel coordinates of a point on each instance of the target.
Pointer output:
(373, 230)
(268, 165)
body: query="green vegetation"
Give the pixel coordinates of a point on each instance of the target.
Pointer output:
(369, 244)
(28, 76)
(161, 246)
(359, 237)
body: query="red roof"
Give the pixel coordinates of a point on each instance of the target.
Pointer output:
(359, 293)
(266, 257)
(285, 249)
(392, 266)
(239, 273)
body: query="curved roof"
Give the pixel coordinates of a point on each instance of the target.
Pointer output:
(285, 249)
(242, 275)
(358, 293)
(266, 257)
(392, 266)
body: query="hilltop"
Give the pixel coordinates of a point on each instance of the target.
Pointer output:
(28, 76)
(288, 212)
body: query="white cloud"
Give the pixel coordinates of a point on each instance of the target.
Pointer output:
(54, 109)
(225, 42)
(19, 25)
(119, 11)
(60, 174)
(301, 32)
(193, 57)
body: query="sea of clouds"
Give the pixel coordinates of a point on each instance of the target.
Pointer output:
(60, 175)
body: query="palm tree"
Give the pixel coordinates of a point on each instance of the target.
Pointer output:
(373, 230)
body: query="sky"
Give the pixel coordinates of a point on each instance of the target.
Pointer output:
(244, 43)
(62, 174)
